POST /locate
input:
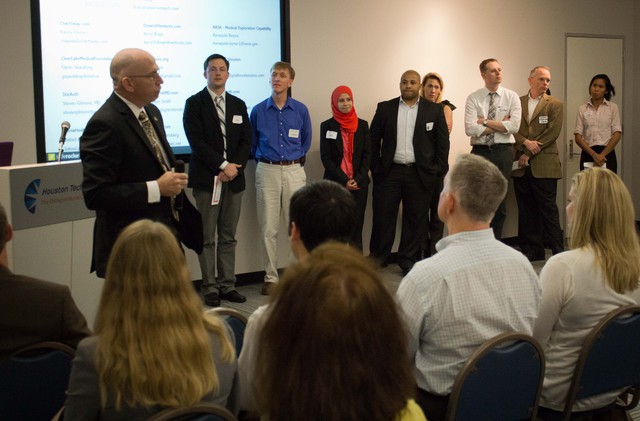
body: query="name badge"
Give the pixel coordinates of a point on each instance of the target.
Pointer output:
(429, 126)
(543, 119)
(294, 134)
(331, 134)
(237, 119)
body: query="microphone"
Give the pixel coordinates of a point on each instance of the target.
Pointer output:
(179, 168)
(63, 135)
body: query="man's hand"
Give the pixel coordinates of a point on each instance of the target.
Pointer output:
(532, 145)
(523, 161)
(231, 170)
(172, 183)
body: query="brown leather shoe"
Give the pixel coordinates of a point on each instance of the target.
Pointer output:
(266, 287)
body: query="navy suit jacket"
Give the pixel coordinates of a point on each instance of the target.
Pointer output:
(202, 127)
(117, 161)
(430, 140)
(332, 152)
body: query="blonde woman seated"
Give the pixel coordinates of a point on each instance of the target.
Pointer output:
(154, 347)
(334, 346)
(600, 273)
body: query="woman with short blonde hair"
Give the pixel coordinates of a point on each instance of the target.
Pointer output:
(154, 346)
(600, 273)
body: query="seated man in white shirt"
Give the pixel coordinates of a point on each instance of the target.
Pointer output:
(318, 212)
(473, 289)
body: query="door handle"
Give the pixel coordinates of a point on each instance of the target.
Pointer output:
(571, 153)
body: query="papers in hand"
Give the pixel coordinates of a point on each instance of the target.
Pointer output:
(516, 165)
(590, 165)
(217, 190)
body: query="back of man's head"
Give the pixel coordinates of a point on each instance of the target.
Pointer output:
(4, 228)
(478, 186)
(322, 210)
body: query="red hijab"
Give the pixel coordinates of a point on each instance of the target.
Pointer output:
(348, 122)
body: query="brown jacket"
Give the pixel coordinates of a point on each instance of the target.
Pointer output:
(545, 127)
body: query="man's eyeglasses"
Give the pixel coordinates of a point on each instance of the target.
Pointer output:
(151, 76)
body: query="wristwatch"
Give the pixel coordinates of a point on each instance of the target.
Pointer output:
(484, 123)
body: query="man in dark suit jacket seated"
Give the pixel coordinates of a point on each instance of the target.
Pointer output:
(32, 310)
(126, 160)
(410, 150)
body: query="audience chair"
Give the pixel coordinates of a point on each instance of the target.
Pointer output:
(197, 412)
(609, 360)
(236, 321)
(501, 380)
(33, 381)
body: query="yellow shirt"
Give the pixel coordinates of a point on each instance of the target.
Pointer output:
(411, 412)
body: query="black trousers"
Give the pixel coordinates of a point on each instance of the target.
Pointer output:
(400, 185)
(360, 197)
(433, 406)
(436, 226)
(538, 217)
(612, 160)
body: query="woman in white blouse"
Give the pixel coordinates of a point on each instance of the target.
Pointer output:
(598, 129)
(600, 273)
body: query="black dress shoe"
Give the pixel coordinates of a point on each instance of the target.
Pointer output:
(233, 296)
(212, 299)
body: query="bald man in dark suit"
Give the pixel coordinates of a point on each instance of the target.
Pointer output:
(410, 150)
(127, 168)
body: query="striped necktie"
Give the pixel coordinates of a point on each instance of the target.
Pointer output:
(223, 125)
(493, 104)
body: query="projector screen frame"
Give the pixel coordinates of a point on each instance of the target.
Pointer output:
(38, 85)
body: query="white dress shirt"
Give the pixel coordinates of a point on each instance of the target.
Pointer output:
(407, 116)
(477, 106)
(598, 125)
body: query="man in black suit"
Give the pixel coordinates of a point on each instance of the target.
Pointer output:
(126, 159)
(410, 144)
(32, 310)
(219, 132)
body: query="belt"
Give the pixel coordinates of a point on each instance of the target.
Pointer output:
(410, 164)
(494, 146)
(266, 161)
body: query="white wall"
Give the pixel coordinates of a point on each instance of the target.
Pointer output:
(367, 44)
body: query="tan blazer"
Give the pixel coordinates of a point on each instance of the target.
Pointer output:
(545, 127)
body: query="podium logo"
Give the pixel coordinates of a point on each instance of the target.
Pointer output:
(32, 195)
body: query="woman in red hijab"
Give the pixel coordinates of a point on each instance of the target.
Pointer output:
(345, 150)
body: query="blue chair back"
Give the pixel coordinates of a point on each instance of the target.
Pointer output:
(501, 380)
(609, 359)
(236, 321)
(34, 380)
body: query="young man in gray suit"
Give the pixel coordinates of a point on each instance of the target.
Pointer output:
(218, 129)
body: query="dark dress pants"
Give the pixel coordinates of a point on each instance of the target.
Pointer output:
(360, 197)
(612, 160)
(538, 218)
(501, 155)
(400, 185)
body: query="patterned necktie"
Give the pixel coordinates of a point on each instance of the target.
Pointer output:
(492, 114)
(151, 135)
(223, 125)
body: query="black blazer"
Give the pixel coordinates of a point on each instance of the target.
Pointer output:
(430, 140)
(202, 127)
(117, 161)
(331, 153)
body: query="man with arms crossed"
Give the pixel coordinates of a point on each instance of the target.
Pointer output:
(281, 139)
(217, 126)
(491, 117)
(410, 150)
(535, 182)
(473, 289)
(32, 310)
(126, 159)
